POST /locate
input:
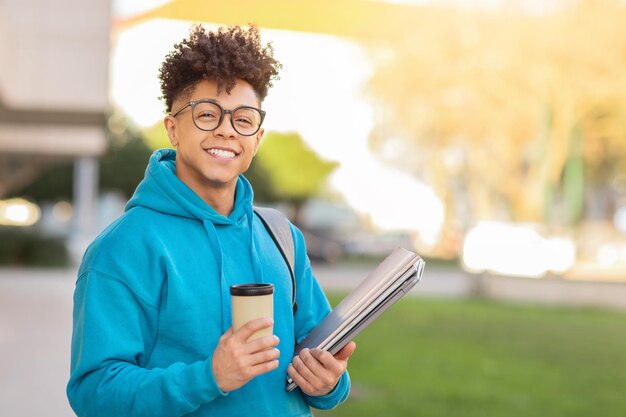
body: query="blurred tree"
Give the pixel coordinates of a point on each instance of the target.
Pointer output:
(52, 183)
(259, 176)
(509, 103)
(124, 164)
(285, 169)
(156, 136)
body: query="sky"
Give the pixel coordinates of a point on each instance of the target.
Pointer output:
(310, 85)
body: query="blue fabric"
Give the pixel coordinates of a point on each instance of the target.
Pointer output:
(152, 299)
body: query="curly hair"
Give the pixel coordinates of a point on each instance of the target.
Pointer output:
(224, 56)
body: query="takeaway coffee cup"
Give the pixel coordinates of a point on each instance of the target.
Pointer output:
(252, 301)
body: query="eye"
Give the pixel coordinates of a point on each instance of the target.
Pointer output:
(205, 115)
(243, 121)
(246, 117)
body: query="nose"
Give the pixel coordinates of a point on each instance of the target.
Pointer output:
(226, 129)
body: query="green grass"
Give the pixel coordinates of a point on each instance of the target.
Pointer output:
(485, 359)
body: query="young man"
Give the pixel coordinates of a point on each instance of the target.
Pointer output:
(152, 314)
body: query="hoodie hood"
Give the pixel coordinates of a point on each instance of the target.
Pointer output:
(161, 190)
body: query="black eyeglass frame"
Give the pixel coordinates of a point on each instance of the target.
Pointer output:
(193, 104)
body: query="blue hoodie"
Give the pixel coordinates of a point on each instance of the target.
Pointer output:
(152, 299)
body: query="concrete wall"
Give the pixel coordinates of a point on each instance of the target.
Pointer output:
(54, 62)
(55, 54)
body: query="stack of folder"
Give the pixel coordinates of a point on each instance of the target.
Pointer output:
(385, 285)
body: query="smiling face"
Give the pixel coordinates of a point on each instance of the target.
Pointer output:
(210, 162)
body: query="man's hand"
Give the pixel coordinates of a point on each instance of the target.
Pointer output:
(317, 372)
(235, 362)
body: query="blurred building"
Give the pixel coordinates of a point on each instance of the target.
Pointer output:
(54, 64)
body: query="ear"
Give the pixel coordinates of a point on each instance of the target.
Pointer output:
(257, 140)
(170, 127)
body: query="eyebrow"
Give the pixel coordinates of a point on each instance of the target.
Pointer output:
(212, 100)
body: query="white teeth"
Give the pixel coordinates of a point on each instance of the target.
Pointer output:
(222, 153)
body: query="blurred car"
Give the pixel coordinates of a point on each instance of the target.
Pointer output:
(320, 247)
(376, 244)
(516, 249)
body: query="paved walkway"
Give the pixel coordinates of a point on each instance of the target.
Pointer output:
(35, 331)
(36, 309)
(456, 283)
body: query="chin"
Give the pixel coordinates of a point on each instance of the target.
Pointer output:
(220, 180)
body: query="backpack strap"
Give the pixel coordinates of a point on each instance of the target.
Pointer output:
(278, 227)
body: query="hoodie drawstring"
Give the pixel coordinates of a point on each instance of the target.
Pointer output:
(216, 247)
(254, 253)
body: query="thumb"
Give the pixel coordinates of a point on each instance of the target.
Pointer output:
(346, 352)
(226, 335)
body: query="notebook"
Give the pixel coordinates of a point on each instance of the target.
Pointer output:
(385, 285)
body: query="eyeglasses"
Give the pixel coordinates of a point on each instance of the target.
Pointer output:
(208, 115)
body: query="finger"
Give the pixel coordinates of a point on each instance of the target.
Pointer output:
(300, 381)
(346, 352)
(311, 361)
(327, 373)
(262, 368)
(308, 367)
(261, 344)
(328, 361)
(252, 326)
(264, 356)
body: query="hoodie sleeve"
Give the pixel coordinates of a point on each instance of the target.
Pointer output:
(313, 306)
(113, 333)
